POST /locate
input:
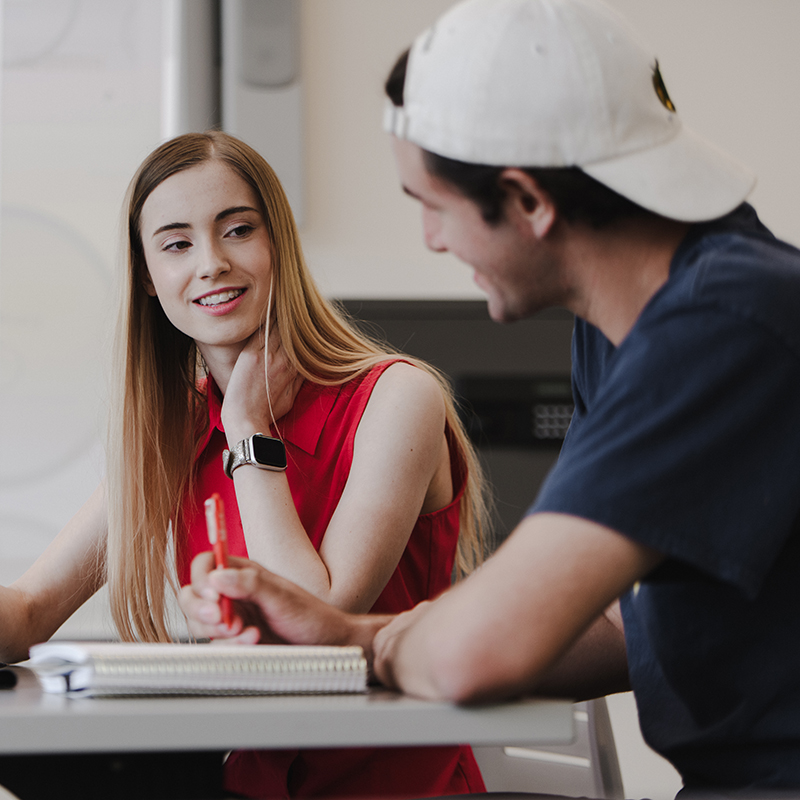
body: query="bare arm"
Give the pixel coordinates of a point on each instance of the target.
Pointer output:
(538, 617)
(595, 665)
(400, 467)
(57, 584)
(504, 630)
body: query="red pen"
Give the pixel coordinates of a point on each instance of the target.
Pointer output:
(218, 536)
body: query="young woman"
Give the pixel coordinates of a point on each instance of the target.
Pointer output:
(224, 344)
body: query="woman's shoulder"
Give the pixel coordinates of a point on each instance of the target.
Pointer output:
(401, 370)
(400, 380)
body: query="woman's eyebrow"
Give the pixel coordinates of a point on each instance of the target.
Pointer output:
(173, 226)
(235, 210)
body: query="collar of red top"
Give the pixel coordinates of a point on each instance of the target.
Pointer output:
(302, 426)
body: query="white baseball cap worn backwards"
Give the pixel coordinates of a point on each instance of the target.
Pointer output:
(559, 83)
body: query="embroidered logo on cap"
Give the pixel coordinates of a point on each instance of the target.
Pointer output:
(661, 89)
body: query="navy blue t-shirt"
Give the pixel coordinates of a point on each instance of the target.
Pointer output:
(686, 438)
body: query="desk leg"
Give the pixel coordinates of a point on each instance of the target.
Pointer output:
(114, 776)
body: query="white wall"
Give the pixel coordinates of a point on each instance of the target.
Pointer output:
(81, 87)
(361, 235)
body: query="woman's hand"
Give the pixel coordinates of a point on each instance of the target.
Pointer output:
(247, 409)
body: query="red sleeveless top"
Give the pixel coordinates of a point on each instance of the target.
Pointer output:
(319, 433)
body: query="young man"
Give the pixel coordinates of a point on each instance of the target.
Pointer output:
(541, 143)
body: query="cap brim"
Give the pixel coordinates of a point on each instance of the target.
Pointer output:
(686, 178)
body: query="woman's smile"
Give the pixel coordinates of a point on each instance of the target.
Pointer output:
(221, 302)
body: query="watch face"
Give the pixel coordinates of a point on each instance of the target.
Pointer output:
(269, 452)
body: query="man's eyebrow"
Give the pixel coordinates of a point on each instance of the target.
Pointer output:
(176, 226)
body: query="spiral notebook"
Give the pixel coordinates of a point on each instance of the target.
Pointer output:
(121, 668)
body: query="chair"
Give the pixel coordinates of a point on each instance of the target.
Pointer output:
(586, 768)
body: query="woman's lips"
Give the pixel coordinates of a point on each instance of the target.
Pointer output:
(222, 302)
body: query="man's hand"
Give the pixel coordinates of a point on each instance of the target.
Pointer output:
(268, 609)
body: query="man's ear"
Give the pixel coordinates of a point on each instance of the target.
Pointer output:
(527, 198)
(147, 282)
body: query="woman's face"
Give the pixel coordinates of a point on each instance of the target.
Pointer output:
(208, 254)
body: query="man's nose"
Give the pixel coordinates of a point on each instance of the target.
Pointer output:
(432, 231)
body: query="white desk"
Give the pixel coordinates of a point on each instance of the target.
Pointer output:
(32, 722)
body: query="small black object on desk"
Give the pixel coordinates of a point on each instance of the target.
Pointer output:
(8, 678)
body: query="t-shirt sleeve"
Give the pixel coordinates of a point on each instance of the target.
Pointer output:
(690, 444)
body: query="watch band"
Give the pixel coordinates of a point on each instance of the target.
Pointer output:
(235, 457)
(266, 453)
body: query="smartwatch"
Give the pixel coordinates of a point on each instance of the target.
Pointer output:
(261, 451)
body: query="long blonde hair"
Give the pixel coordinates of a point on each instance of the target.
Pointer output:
(157, 412)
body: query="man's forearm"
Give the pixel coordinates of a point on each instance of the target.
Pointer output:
(530, 620)
(595, 665)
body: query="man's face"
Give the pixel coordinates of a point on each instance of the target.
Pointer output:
(504, 255)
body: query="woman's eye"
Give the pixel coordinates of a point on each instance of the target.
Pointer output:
(239, 231)
(174, 247)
